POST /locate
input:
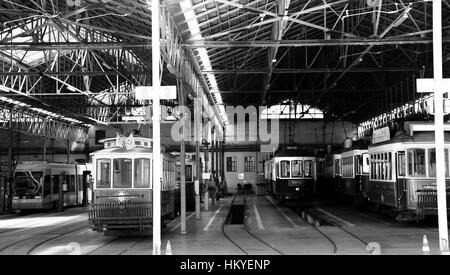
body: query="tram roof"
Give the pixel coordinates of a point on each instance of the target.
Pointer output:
(420, 137)
(123, 151)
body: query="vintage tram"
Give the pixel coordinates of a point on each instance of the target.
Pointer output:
(36, 185)
(354, 185)
(123, 183)
(403, 172)
(293, 173)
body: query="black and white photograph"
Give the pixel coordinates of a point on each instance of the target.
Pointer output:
(224, 135)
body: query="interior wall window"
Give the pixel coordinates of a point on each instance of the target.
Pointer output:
(297, 169)
(103, 173)
(285, 169)
(232, 164)
(142, 173)
(122, 173)
(250, 164)
(416, 163)
(99, 135)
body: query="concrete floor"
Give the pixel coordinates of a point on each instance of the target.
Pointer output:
(273, 229)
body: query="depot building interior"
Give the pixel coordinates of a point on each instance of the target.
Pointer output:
(325, 75)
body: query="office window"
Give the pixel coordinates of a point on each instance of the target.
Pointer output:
(250, 164)
(232, 164)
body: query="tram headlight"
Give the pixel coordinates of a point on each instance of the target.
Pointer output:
(121, 196)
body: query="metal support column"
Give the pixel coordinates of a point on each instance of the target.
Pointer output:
(10, 163)
(68, 149)
(439, 126)
(213, 167)
(198, 139)
(183, 162)
(206, 183)
(156, 59)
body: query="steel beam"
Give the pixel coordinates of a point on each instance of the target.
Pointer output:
(311, 71)
(311, 42)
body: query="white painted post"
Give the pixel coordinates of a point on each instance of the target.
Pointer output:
(439, 126)
(156, 59)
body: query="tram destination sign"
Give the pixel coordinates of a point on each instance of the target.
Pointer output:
(381, 135)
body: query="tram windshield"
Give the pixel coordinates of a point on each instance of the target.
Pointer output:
(297, 168)
(285, 169)
(122, 173)
(142, 173)
(28, 183)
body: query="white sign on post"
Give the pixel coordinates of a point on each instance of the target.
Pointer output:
(206, 176)
(163, 93)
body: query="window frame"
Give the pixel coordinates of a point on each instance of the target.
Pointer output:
(249, 164)
(124, 158)
(233, 165)
(97, 173)
(134, 166)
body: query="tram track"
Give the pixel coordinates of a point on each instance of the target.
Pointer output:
(44, 233)
(331, 239)
(131, 246)
(234, 241)
(36, 246)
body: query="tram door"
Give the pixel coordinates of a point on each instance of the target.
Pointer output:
(86, 187)
(401, 188)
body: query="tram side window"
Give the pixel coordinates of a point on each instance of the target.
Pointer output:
(141, 173)
(337, 166)
(285, 169)
(358, 165)
(365, 164)
(381, 166)
(401, 165)
(347, 167)
(308, 169)
(416, 163)
(432, 163)
(122, 173)
(297, 169)
(103, 173)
